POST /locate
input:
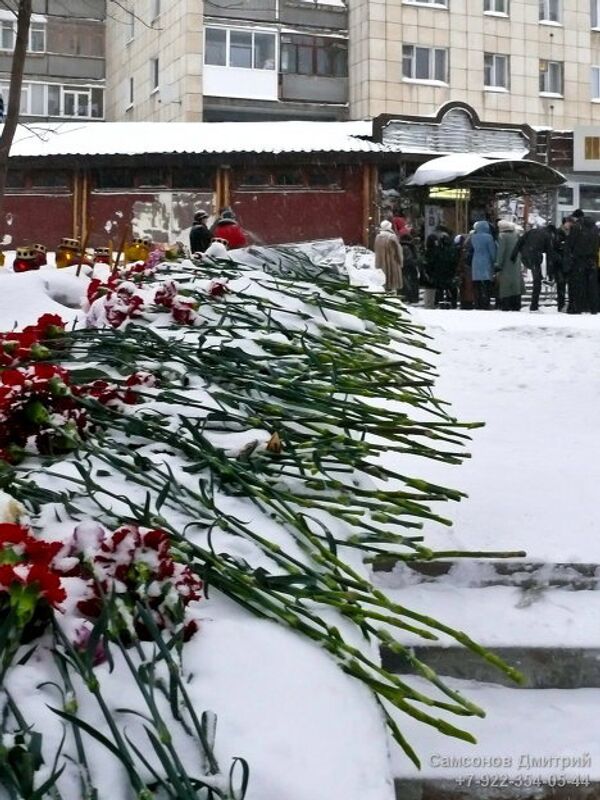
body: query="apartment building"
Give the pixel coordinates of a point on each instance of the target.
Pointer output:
(65, 67)
(221, 60)
(512, 60)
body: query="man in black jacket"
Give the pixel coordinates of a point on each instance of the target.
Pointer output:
(582, 246)
(200, 237)
(532, 246)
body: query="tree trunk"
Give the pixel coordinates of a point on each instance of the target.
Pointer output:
(11, 118)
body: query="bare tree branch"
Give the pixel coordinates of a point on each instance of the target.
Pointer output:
(14, 98)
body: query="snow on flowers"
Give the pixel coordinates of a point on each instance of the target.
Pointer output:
(133, 565)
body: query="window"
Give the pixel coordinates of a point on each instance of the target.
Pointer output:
(592, 148)
(589, 199)
(154, 177)
(47, 178)
(595, 83)
(154, 74)
(131, 93)
(496, 71)
(495, 6)
(289, 177)
(240, 49)
(550, 10)
(215, 47)
(191, 178)
(75, 102)
(237, 48)
(54, 100)
(566, 196)
(425, 63)
(314, 55)
(82, 102)
(37, 36)
(114, 178)
(155, 9)
(595, 8)
(551, 77)
(7, 35)
(292, 179)
(15, 179)
(130, 26)
(442, 3)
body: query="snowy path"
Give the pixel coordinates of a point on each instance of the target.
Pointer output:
(534, 478)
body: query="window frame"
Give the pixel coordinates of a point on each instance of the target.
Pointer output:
(545, 12)
(273, 184)
(497, 58)
(332, 46)
(130, 27)
(254, 32)
(595, 83)
(27, 99)
(431, 67)
(154, 74)
(441, 4)
(36, 26)
(502, 12)
(548, 91)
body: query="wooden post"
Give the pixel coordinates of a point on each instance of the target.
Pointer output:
(84, 207)
(83, 248)
(219, 191)
(226, 187)
(122, 245)
(75, 202)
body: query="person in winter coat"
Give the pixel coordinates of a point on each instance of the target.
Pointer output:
(482, 252)
(228, 231)
(557, 263)
(508, 269)
(532, 246)
(388, 256)
(410, 269)
(442, 260)
(465, 280)
(199, 235)
(582, 247)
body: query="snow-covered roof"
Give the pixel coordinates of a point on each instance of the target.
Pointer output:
(447, 169)
(139, 138)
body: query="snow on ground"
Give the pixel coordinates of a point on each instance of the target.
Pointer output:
(520, 619)
(24, 297)
(534, 476)
(534, 723)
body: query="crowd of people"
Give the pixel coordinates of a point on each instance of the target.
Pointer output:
(488, 265)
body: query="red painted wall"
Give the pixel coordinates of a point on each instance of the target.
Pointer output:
(38, 219)
(277, 216)
(165, 215)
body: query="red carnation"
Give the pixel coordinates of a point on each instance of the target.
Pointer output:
(48, 582)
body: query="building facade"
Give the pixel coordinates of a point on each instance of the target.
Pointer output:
(251, 60)
(65, 65)
(512, 60)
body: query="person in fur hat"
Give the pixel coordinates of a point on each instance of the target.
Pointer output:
(200, 236)
(388, 256)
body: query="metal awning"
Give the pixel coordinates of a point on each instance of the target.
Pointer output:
(497, 174)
